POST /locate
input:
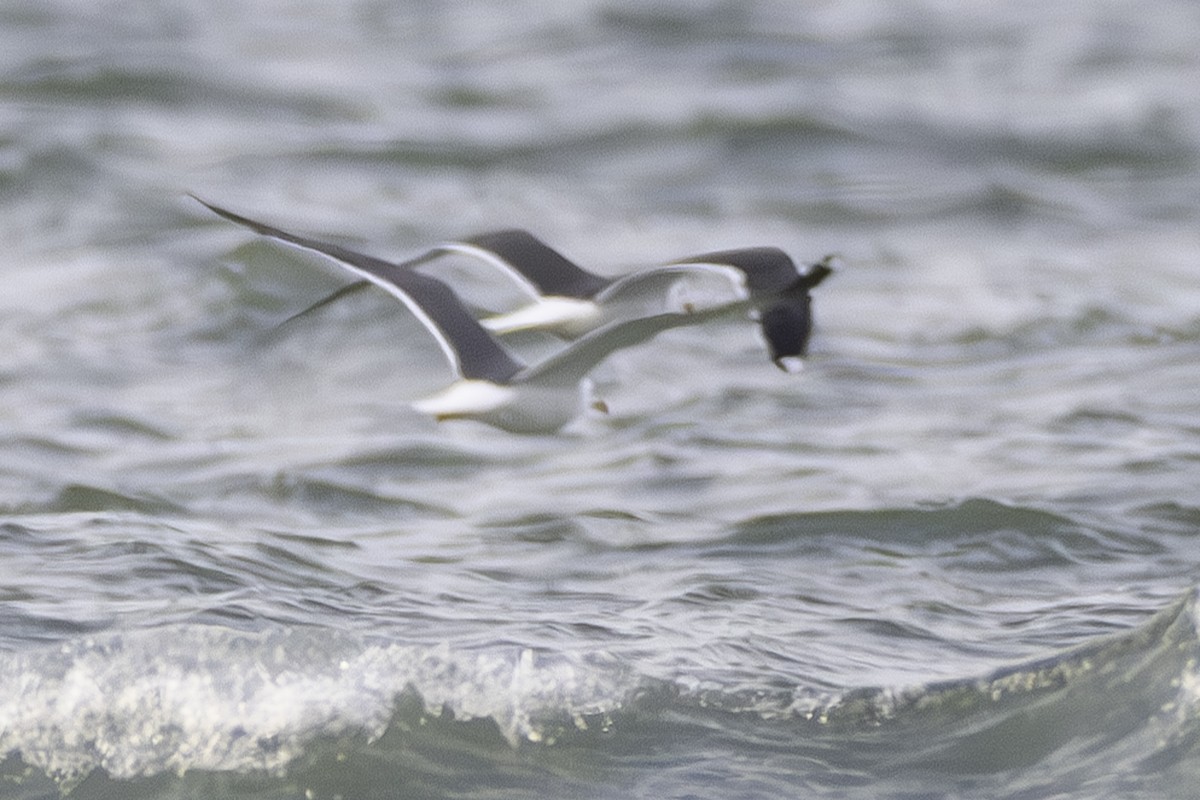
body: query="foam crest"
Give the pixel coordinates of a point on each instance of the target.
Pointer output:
(199, 698)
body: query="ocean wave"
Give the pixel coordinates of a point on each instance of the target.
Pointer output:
(209, 698)
(282, 702)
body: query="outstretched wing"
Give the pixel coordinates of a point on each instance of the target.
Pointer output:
(536, 268)
(471, 350)
(539, 268)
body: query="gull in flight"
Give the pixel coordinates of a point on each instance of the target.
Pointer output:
(492, 386)
(569, 301)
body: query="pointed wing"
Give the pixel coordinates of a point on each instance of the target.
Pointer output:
(536, 268)
(471, 350)
(539, 268)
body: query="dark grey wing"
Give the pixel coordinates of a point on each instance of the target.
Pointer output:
(537, 268)
(767, 269)
(336, 252)
(786, 314)
(547, 270)
(476, 354)
(787, 325)
(787, 320)
(471, 349)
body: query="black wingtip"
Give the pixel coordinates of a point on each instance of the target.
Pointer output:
(787, 325)
(257, 227)
(818, 272)
(215, 209)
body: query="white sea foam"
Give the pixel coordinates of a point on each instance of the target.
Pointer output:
(213, 699)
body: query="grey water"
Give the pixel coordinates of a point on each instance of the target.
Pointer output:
(955, 556)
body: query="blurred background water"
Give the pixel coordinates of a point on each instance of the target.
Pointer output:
(954, 557)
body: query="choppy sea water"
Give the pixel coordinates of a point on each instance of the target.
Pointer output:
(954, 557)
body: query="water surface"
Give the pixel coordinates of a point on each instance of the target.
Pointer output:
(954, 557)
